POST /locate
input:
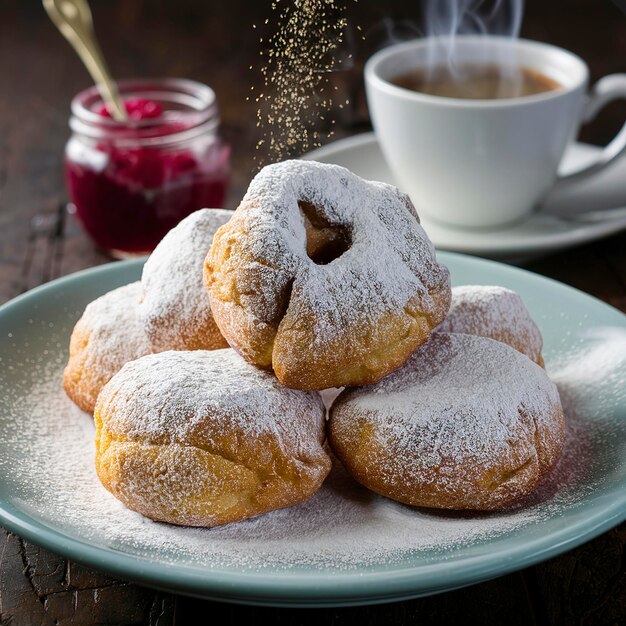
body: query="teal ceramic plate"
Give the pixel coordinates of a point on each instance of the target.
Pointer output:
(346, 545)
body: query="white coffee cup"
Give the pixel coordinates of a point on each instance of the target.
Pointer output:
(482, 163)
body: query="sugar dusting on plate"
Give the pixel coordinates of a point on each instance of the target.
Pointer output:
(49, 465)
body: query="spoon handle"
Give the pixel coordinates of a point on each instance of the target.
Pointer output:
(74, 21)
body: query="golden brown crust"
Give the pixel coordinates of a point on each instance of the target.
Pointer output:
(510, 478)
(286, 302)
(495, 312)
(202, 334)
(252, 336)
(108, 335)
(199, 440)
(81, 382)
(174, 305)
(361, 356)
(422, 438)
(217, 490)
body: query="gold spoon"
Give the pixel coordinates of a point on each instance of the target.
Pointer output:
(73, 19)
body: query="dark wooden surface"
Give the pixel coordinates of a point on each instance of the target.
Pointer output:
(215, 43)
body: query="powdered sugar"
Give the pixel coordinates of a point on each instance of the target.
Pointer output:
(390, 258)
(467, 418)
(170, 396)
(108, 334)
(388, 266)
(115, 331)
(456, 398)
(496, 312)
(175, 302)
(47, 463)
(203, 438)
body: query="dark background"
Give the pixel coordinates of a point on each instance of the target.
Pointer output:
(214, 42)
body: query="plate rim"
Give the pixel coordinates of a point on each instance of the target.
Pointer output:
(312, 589)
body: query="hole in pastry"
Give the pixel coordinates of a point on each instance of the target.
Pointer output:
(325, 242)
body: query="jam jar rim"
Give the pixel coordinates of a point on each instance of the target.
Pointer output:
(198, 119)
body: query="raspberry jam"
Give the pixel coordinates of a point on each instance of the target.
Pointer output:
(132, 181)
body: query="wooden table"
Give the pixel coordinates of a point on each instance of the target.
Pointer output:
(38, 242)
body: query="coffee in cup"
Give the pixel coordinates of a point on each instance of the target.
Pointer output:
(477, 82)
(483, 160)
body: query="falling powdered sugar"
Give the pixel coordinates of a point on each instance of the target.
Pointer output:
(49, 466)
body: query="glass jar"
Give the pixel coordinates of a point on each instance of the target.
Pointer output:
(131, 182)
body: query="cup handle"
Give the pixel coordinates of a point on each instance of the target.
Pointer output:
(607, 89)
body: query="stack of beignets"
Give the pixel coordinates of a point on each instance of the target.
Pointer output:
(168, 310)
(325, 278)
(322, 280)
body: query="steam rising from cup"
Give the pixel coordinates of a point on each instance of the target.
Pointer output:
(444, 20)
(448, 18)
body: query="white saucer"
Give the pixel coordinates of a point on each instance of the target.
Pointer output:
(538, 235)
